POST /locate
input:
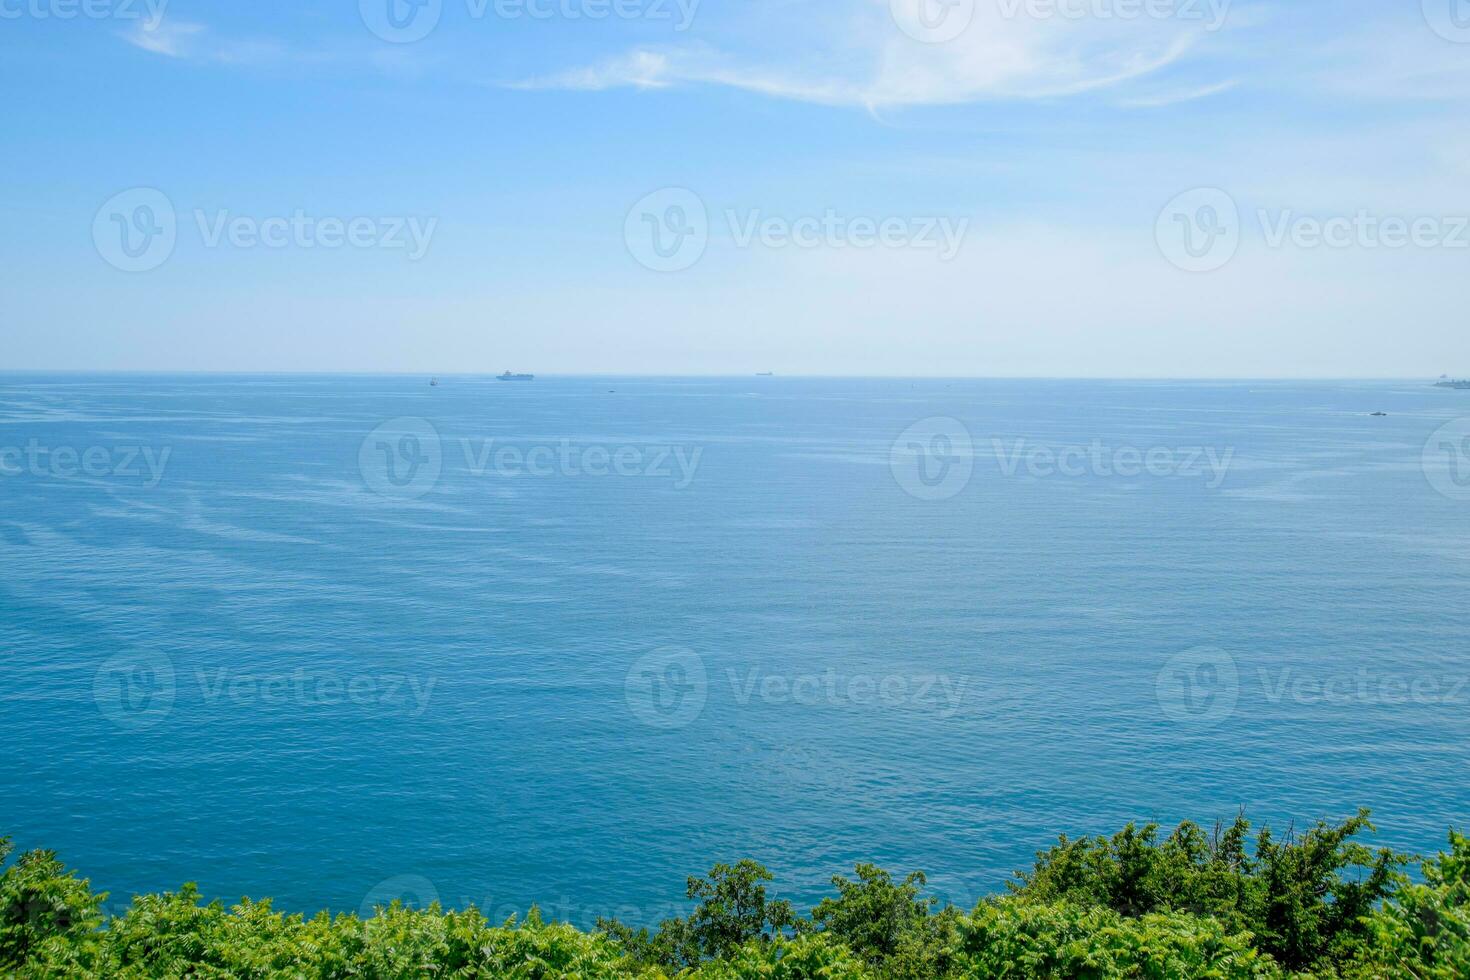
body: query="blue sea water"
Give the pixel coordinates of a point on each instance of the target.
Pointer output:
(341, 639)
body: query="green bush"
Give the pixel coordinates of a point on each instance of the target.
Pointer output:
(1424, 932)
(803, 958)
(1011, 938)
(1192, 905)
(1292, 895)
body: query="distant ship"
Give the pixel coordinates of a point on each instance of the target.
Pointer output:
(765, 374)
(433, 382)
(507, 376)
(1458, 385)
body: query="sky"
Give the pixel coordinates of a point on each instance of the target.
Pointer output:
(1091, 188)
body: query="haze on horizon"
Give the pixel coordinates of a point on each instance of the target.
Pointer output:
(1042, 188)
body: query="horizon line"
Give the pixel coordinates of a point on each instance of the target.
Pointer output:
(215, 372)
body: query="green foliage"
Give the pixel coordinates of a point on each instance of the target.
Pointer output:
(803, 958)
(1192, 905)
(44, 909)
(1013, 938)
(1424, 932)
(733, 912)
(1292, 895)
(889, 924)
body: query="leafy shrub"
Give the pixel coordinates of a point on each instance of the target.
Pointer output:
(1292, 894)
(1424, 932)
(889, 924)
(44, 909)
(1011, 938)
(1130, 906)
(803, 958)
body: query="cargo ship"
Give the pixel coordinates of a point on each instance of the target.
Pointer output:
(507, 376)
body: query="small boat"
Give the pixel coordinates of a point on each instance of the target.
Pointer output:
(433, 382)
(1380, 415)
(507, 376)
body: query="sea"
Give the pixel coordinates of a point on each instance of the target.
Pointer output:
(339, 640)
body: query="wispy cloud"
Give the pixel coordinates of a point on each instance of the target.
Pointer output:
(639, 69)
(1159, 100)
(866, 57)
(173, 39)
(198, 43)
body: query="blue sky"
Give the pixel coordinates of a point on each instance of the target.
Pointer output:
(995, 187)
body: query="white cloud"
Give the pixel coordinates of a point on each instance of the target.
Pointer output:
(1169, 98)
(640, 69)
(864, 57)
(173, 39)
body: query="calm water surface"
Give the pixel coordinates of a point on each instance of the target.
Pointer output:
(340, 639)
